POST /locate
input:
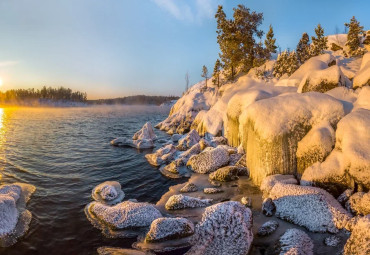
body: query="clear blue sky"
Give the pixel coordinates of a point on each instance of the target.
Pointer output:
(112, 48)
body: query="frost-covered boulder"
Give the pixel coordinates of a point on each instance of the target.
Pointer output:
(189, 140)
(273, 127)
(268, 228)
(225, 228)
(185, 156)
(209, 161)
(295, 242)
(315, 146)
(227, 173)
(359, 241)
(125, 215)
(362, 77)
(176, 202)
(269, 182)
(349, 162)
(189, 187)
(169, 228)
(359, 203)
(309, 207)
(162, 155)
(146, 132)
(108, 192)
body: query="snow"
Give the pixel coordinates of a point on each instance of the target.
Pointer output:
(146, 132)
(338, 39)
(225, 228)
(359, 241)
(362, 77)
(363, 98)
(359, 203)
(176, 202)
(268, 228)
(209, 161)
(169, 228)
(295, 242)
(108, 192)
(162, 155)
(125, 215)
(189, 140)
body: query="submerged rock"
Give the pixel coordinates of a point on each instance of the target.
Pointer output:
(189, 187)
(268, 207)
(295, 242)
(176, 202)
(189, 140)
(169, 228)
(108, 192)
(268, 228)
(359, 241)
(212, 190)
(209, 161)
(162, 155)
(225, 228)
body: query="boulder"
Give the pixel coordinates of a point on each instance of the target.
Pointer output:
(169, 228)
(359, 241)
(108, 192)
(189, 187)
(359, 203)
(185, 156)
(225, 228)
(120, 251)
(268, 228)
(176, 202)
(344, 197)
(209, 161)
(268, 207)
(189, 140)
(234, 158)
(295, 242)
(212, 190)
(162, 155)
(227, 173)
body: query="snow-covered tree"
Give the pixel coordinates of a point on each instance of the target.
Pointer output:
(303, 48)
(353, 41)
(217, 73)
(293, 63)
(319, 43)
(286, 63)
(205, 73)
(270, 42)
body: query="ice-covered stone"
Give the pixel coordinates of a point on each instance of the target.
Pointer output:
(295, 242)
(162, 155)
(226, 173)
(268, 228)
(269, 182)
(225, 228)
(209, 161)
(169, 228)
(185, 156)
(359, 203)
(176, 202)
(189, 140)
(268, 207)
(332, 241)
(125, 215)
(189, 187)
(108, 192)
(359, 241)
(212, 190)
(146, 132)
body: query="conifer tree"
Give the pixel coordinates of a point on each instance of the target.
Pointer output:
(281, 64)
(292, 64)
(205, 74)
(319, 43)
(216, 73)
(303, 49)
(353, 40)
(270, 42)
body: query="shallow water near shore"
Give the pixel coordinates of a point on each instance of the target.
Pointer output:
(64, 153)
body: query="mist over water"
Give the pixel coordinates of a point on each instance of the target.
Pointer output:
(65, 152)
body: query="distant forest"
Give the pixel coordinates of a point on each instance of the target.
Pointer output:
(135, 100)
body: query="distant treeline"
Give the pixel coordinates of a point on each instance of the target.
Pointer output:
(135, 100)
(49, 94)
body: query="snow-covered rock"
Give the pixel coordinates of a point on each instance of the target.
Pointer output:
(268, 228)
(362, 77)
(295, 242)
(315, 146)
(125, 215)
(359, 241)
(142, 139)
(169, 228)
(227, 173)
(185, 156)
(212, 190)
(146, 132)
(225, 228)
(209, 161)
(108, 192)
(189, 187)
(176, 202)
(269, 182)
(359, 203)
(8, 212)
(273, 127)
(162, 155)
(189, 140)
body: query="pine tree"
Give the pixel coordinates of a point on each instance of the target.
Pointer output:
(270, 42)
(353, 40)
(205, 74)
(281, 64)
(216, 73)
(319, 43)
(292, 64)
(303, 49)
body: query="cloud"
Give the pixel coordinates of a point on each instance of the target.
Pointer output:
(8, 63)
(189, 10)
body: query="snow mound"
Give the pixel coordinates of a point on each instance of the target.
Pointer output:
(362, 77)
(359, 241)
(146, 132)
(273, 127)
(295, 242)
(209, 161)
(108, 192)
(169, 228)
(309, 207)
(176, 202)
(225, 228)
(189, 140)
(162, 155)
(125, 215)
(359, 203)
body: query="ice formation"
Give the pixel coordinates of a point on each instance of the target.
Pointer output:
(189, 140)
(209, 161)
(295, 242)
(162, 155)
(225, 228)
(146, 132)
(169, 228)
(176, 202)
(142, 139)
(108, 192)
(359, 241)
(268, 228)
(247, 201)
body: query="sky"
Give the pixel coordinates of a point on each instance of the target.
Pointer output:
(116, 48)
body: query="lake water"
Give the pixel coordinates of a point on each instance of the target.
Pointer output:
(65, 152)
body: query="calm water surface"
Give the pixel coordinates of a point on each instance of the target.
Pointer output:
(65, 152)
